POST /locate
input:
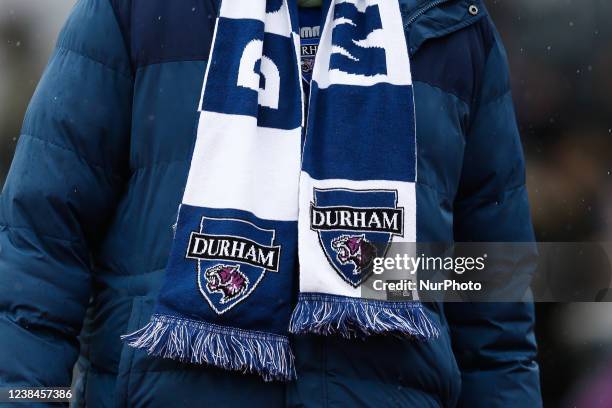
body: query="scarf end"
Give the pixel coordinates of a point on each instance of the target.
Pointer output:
(358, 318)
(185, 340)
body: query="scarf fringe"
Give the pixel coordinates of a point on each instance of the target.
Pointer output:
(230, 348)
(358, 318)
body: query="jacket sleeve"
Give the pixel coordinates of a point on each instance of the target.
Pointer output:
(494, 343)
(65, 179)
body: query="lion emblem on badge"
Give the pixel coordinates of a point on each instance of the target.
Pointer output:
(227, 280)
(355, 249)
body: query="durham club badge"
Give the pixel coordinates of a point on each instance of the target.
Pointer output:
(231, 266)
(354, 227)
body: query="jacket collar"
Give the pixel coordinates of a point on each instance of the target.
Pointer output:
(428, 19)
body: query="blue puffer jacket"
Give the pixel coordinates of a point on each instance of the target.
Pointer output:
(87, 210)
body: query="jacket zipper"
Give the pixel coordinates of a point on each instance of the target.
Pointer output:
(422, 11)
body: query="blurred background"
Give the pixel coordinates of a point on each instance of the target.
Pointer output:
(560, 53)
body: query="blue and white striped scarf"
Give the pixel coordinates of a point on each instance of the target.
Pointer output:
(269, 197)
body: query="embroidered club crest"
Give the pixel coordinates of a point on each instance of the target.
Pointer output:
(231, 266)
(354, 227)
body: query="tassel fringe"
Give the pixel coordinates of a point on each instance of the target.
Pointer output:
(358, 318)
(230, 348)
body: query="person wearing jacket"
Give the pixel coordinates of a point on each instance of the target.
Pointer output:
(87, 210)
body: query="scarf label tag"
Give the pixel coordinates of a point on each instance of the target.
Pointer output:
(310, 35)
